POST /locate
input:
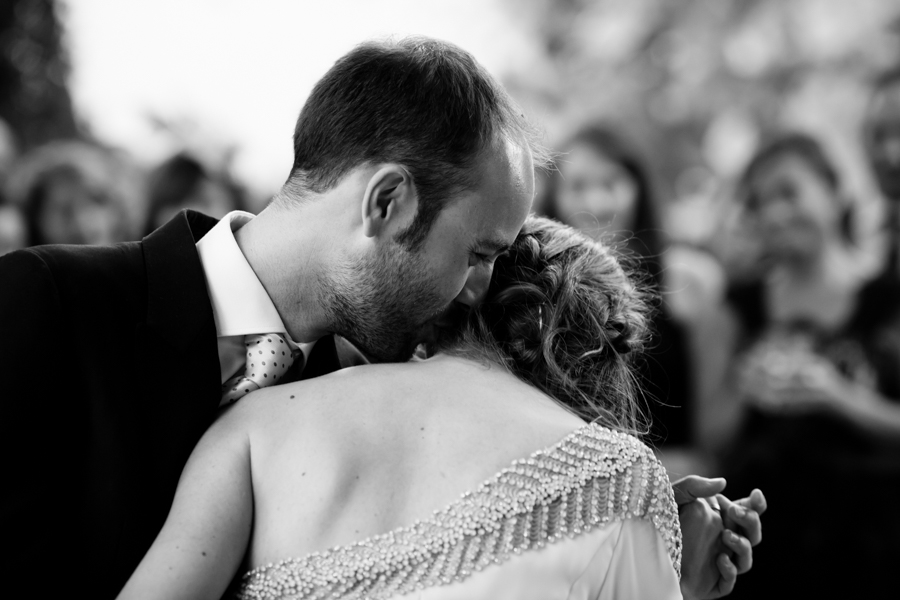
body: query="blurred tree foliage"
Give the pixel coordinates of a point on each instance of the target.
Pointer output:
(697, 83)
(34, 98)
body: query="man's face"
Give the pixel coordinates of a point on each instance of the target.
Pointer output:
(386, 303)
(882, 139)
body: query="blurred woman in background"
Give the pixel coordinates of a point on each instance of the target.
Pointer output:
(602, 188)
(814, 405)
(73, 192)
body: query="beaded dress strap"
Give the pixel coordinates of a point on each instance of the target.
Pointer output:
(593, 477)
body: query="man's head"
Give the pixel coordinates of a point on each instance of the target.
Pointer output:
(882, 133)
(439, 160)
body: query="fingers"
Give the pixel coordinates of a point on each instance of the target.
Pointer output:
(758, 501)
(687, 489)
(745, 521)
(725, 504)
(729, 575)
(743, 552)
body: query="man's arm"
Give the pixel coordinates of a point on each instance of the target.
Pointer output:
(717, 547)
(205, 536)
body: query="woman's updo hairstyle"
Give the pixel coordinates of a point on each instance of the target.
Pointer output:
(562, 315)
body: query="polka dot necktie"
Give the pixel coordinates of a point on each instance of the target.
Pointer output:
(268, 358)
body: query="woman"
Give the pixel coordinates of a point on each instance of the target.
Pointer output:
(603, 190)
(818, 371)
(298, 484)
(71, 192)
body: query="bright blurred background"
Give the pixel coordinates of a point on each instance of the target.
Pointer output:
(114, 114)
(231, 76)
(226, 78)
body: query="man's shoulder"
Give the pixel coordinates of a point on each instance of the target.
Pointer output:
(72, 265)
(65, 255)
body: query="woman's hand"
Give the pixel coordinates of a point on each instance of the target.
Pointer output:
(818, 387)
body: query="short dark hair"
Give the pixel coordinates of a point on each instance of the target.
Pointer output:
(422, 103)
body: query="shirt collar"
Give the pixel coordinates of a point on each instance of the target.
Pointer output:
(240, 303)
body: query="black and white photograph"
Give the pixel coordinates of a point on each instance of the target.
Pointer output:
(450, 299)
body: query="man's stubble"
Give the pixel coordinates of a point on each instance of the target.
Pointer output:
(382, 303)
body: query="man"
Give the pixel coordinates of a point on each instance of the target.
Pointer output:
(412, 172)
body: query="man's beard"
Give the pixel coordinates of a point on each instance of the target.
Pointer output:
(382, 304)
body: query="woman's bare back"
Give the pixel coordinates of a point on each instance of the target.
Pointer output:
(367, 450)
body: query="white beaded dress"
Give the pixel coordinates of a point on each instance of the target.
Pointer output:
(591, 517)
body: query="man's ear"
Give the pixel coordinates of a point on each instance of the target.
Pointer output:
(389, 202)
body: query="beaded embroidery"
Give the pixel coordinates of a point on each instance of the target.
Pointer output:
(593, 477)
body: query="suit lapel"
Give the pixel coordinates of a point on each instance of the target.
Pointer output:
(179, 313)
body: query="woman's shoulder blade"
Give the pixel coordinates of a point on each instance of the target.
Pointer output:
(589, 479)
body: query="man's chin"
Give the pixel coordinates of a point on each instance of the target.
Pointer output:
(438, 327)
(452, 318)
(443, 329)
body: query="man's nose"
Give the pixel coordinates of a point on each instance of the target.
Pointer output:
(476, 286)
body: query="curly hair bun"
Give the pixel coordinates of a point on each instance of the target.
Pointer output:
(562, 314)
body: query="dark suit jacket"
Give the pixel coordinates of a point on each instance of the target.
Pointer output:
(110, 375)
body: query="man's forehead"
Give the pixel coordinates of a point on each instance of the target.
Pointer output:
(494, 210)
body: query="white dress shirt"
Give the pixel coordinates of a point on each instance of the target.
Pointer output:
(240, 303)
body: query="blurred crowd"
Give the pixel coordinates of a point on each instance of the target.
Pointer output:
(776, 361)
(776, 358)
(79, 192)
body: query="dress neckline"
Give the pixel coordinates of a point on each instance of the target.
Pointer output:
(592, 476)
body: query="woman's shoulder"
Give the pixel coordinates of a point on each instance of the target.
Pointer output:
(591, 479)
(348, 385)
(628, 476)
(619, 459)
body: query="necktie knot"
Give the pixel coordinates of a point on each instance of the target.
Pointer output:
(269, 356)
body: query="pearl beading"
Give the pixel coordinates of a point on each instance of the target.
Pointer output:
(593, 477)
